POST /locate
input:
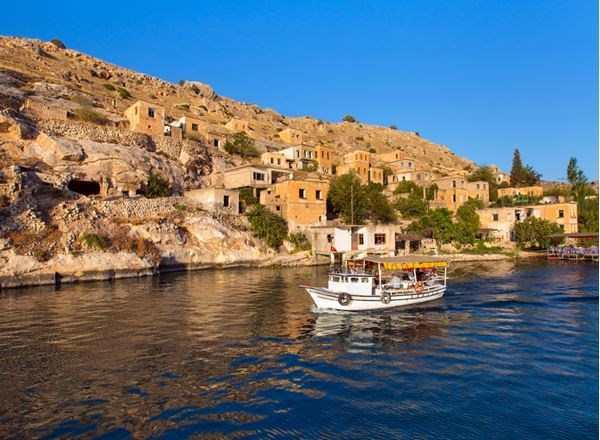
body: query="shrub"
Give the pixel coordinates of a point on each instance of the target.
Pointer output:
(90, 115)
(81, 100)
(94, 241)
(267, 226)
(185, 107)
(372, 150)
(300, 242)
(247, 198)
(393, 127)
(156, 187)
(349, 118)
(58, 43)
(123, 93)
(241, 145)
(181, 82)
(109, 87)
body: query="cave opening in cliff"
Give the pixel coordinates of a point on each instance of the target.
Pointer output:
(84, 187)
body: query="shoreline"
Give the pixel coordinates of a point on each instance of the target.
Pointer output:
(75, 274)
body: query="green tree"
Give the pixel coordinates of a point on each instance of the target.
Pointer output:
(438, 222)
(156, 187)
(587, 215)
(267, 226)
(516, 171)
(411, 206)
(349, 118)
(530, 176)
(467, 222)
(241, 145)
(346, 198)
(408, 187)
(577, 180)
(534, 230)
(377, 206)
(247, 198)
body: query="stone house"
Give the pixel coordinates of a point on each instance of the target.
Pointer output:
(376, 175)
(454, 191)
(422, 178)
(358, 161)
(227, 200)
(527, 191)
(238, 125)
(47, 109)
(291, 136)
(499, 175)
(146, 118)
(388, 239)
(274, 158)
(258, 177)
(324, 157)
(502, 220)
(300, 157)
(299, 201)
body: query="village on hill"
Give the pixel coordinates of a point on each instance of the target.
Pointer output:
(97, 159)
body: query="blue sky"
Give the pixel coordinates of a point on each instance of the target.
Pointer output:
(482, 77)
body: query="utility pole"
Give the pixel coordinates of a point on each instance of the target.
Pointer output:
(352, 204)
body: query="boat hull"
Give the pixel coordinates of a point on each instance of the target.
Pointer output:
(328, 299)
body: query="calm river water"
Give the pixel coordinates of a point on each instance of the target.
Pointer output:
(510, 352)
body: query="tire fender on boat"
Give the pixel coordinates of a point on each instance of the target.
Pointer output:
(386, 297)
(344, 299)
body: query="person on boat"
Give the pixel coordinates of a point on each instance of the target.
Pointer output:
(395, 283)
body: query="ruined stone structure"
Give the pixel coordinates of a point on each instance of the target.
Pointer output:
(147, 118)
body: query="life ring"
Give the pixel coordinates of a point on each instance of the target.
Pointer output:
(386, 297)
(419, 287)
(344, 299)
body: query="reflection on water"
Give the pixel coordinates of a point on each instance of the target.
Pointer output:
(244, 353)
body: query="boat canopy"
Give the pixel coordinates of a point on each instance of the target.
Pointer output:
(408, 262)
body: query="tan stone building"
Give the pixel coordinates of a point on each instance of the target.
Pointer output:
(528, 191)
(376, 175)
(358, 161)
(274, 159)
(299, 201)
(499, 175)
(238, 125)
(227, 200)
(324, 157)
(146, 118)
(501, 221)
(254, 176)
(291, 136)
(454, 191)
(300, 157)
(421, 178)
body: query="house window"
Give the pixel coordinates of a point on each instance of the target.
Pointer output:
(495, 217)
(150, 112)
(361, 238)
(135, 108)
(258, 176)
(194, 127)
(329, 238)
(477, 186)
(302, 193)
(271, 160)
(277, 208)
(454, 198)
(225, 201)
(561, 213)
(318, 194)
(379, 238)
(454, 184)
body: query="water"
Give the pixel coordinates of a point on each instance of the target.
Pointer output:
(510, 352)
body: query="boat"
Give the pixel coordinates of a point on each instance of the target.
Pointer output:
(376, 283)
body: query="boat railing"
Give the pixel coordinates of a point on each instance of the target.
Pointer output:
(349, 270)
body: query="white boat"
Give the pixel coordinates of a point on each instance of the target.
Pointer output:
(375, 283)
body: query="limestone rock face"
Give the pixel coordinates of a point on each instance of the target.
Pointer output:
(14, 127)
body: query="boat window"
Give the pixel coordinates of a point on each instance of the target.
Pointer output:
(365, 280)
(353, 280)
(336, 279)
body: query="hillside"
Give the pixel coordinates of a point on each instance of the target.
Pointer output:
(45, 70)
(63, 135)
